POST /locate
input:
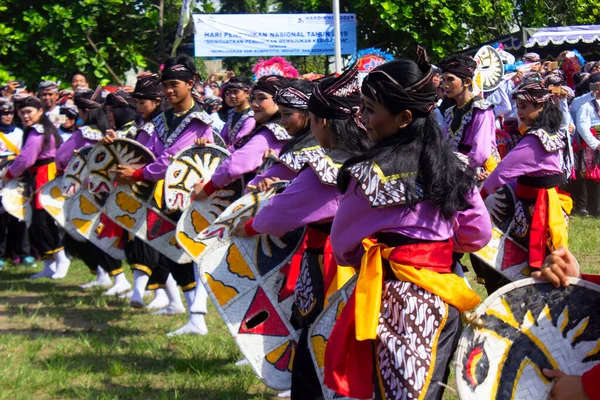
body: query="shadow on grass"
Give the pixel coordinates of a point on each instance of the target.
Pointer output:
(133, 361)
(113, 391)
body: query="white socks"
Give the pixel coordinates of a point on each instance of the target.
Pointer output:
(161, 300)
(175, 304)
(140, 280)
(196, 302)
(195, 326)
(62, 265)
(102, 279)
(121, 285)
(48, 271)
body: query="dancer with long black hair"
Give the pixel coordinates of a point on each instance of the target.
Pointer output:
(408, 203)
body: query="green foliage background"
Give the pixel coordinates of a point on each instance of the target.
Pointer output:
(47, 39)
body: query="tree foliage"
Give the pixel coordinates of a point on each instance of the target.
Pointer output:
(50, 39)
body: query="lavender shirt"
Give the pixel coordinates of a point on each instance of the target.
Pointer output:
(32, 151)
(528, 158)
(143, 137)
(67, 149)
(277, 170)
(480, 134)
(157, 170)
(247, 158)
(306, 201)
(356, 220)
(247, 127)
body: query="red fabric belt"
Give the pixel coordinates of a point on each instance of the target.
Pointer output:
(349, 362)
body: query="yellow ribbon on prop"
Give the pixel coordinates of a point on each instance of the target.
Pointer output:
(449, 287)
(9, 145)
(51, 171)
(158, 193)
(490, 164)
(557, 225)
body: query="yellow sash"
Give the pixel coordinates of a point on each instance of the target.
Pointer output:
(9, 145)
(557, 225)
(449, 287)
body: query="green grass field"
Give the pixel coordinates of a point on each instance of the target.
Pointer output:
(58, 342)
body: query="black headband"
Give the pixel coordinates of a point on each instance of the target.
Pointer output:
(293, 98)
(269, 84)
(27, 101)
(421, 96)
(119, 99)
(148, 86)
(178, 72)
(534, 92)
(461, 67)
(337, 98)
(235, 83)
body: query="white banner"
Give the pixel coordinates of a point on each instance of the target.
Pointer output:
(244, 35)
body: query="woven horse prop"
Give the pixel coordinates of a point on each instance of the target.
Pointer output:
(245, 279)
(521, 329)
(135, 207)
(84, 215)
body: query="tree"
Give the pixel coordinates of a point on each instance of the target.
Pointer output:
(538, 13)
(443, 27)
(56, 37)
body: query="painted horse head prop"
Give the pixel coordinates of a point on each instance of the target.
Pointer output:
(244, 277)
(106, 157)
(521, 329)
(187, 168)
(247, 206)
(76, 172)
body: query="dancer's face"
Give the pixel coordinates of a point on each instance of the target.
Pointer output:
(30, 115)
(146, 107)
(236, 98)
(177, 91)
(293, 119)
(380, 122)
(454, 85)
(528, 111)
(263, 106)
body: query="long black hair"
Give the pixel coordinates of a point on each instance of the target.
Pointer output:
(420, 151)
(348, 136)
(49, 128)
(549, 119)
(96, 117)
(124, 115)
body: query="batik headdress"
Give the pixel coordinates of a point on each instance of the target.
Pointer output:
(421, 96)
(534, 92)
(338, 97)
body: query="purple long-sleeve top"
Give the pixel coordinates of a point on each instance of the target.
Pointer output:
(143, 137)
(356, 220)
(247, 127)
(247, 158)
(277, 170)
(32, 151)
(67, 149)
(157, 170)
(480, 134)
(528, 158)
(293, 208)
